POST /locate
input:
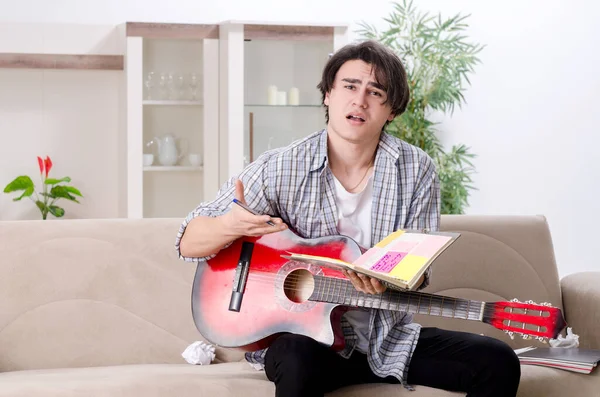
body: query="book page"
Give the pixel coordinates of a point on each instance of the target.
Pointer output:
(403, 254)
(400, 259)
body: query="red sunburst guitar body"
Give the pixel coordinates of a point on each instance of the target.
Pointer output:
(248, 294)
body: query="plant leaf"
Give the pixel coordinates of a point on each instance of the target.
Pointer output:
(73, 190)
(54, 181)
(22, 182)
(28, 192)
(56, 211)
(60, 191)
(41, 205)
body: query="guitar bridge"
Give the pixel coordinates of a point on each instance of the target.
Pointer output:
(241, 276)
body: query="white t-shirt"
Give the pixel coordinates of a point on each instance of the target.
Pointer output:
(354, 220)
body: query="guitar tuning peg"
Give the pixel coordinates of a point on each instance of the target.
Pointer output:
(546, 304)
(531, 302)
(511, 334)
(515, 300)
(525, 337)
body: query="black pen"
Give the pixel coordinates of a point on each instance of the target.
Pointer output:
(250, 210)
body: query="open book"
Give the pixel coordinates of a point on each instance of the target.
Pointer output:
(569, 359)
(400, 259)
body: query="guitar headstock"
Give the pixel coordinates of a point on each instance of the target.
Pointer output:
(528, 319)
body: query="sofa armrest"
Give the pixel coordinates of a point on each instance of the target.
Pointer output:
(581, 302)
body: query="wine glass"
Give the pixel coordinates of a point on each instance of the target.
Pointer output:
(163, 89)
(194, 82)
(149, 84)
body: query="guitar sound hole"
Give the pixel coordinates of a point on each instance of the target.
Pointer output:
(299, 285)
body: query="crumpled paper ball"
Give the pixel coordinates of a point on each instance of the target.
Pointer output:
(571, 340)
(199, 353)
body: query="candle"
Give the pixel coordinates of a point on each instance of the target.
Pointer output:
(294, 97)
(282, 98)
(272, 95)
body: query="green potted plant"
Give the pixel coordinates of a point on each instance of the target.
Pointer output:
(438, 59)
(52, 190)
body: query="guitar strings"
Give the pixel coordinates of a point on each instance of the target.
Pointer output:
(462, 305)
(460, 311)
(343, 283)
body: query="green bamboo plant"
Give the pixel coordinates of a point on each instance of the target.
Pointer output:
(438, 59)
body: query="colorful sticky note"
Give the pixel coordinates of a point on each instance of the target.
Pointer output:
(408, 267)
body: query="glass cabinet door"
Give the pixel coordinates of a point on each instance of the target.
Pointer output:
(273, 99)
(281, 100)
(173, 112)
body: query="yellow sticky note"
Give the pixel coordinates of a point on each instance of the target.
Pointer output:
(389, 239)
(408, 267)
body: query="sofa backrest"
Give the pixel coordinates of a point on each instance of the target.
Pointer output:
(497, 258)
(76, 293)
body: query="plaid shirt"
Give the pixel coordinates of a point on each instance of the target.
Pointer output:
(296, 184)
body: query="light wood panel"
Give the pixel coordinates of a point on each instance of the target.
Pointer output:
(288, 32)
(60, 61)
(150, 30)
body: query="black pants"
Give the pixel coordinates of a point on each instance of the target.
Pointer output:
(455, 361)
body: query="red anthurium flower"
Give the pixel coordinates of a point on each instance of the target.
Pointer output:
(47, 165)
(41, 164)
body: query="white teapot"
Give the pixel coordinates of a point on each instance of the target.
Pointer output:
(168, 154)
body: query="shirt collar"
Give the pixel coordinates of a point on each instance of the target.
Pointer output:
(387, 146)
(320, 158)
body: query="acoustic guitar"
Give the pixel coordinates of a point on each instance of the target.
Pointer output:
(249, 293)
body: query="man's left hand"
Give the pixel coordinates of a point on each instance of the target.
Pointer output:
(370, 285)
(364, 283)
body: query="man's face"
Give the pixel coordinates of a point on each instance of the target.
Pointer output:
(356, 109)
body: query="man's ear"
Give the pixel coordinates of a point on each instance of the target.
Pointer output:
(326, 100)
(391, 117)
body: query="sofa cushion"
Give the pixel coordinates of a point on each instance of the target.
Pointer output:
(147, 380)
(238, 378)
(550, 382)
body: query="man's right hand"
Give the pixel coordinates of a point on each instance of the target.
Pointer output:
(238, 222)
(206, 235)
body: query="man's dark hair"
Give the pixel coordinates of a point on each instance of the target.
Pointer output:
(388, 69)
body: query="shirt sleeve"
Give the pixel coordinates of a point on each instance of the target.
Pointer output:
(254, 179)
(424, 211)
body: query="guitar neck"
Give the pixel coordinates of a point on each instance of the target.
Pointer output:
(340, 291)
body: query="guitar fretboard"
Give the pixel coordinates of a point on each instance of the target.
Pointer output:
(334, 290)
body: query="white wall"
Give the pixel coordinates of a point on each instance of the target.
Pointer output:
(532, 119)
(531, 113)
(75, 122)
(70, 115)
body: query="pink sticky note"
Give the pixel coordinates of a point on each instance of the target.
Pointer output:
(388, 261)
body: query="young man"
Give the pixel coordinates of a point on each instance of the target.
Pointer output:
(353, 179)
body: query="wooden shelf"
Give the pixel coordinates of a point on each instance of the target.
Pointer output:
(61, 61)
(175, 168)
(288, 32)
(151, 30)
(171, 103)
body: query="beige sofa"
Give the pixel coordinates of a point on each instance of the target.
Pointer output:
(102, 308)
